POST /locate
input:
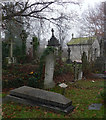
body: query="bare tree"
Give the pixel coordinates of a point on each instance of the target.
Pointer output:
(37, 15)
(27, 10)
(92, 21)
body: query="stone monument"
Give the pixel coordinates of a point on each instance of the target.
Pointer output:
(49, 70)
(50, 62)
(68, 60)
(11, 59)
(38, 97)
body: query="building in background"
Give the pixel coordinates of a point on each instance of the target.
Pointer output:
(90, 45)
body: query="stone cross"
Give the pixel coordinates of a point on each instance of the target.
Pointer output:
(69, 60)
(11, 59)
(68, 53)
(75, 71)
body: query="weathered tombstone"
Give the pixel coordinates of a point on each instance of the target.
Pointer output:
(75, 70)
(11, 59)
(49, 70)
(50, 62)
(37, 97)
(80, 74)
(95, 106)
(68, 60)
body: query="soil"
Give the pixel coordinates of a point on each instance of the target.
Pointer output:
(66, 77)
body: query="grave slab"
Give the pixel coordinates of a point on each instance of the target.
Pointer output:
(38, 97)
(95, 106)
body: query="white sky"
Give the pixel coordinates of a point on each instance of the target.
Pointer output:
(85, 4)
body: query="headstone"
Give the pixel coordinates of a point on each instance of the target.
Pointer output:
(75, 70)
(95, 106)
(49, 71)
(80, 75)
(68, 60)
(10, 59)
(38, 97)
(50, 61)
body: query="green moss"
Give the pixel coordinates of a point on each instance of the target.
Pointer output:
(84, 40)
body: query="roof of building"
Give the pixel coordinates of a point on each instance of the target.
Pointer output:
(81, 41)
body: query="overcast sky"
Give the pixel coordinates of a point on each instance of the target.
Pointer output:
(84, 6)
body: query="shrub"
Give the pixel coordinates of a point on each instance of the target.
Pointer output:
(13, 83)
(61, 68)
(35, 81)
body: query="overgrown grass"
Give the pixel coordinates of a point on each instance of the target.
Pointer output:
(82, 93)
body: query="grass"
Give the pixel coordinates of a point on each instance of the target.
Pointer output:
(82, 93)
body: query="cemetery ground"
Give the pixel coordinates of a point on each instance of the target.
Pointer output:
(82, 93)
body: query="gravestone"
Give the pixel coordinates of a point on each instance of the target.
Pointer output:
(80, 74)
(38, 97)
(68, 60)
(95, 106)
(10, 59)
(49, 71)
(50, 62)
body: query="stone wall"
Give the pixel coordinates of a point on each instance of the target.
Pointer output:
(92, 51)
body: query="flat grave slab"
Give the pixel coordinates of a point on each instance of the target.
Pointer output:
(35, 96)
(95, 106)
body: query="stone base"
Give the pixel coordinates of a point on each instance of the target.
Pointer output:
(10, 60)
(68, 61)
(37, 97)
(49, 85)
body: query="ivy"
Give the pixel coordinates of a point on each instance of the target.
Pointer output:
(46, 52)
(35, 46)
(36, 42)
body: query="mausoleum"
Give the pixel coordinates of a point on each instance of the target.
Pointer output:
(90, 45)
